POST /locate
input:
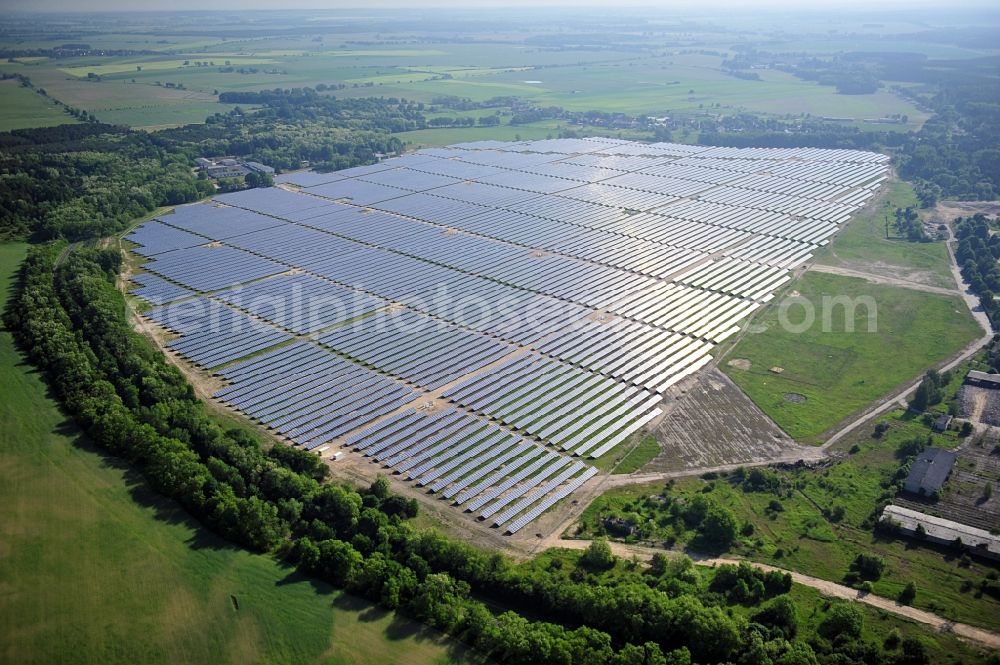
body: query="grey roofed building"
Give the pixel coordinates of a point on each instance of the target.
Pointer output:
(983, 379)
(258, 167)
(943, 531)
(929, 471)
(942, 422)
(226, 171)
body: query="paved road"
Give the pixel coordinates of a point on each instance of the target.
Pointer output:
(979, 635)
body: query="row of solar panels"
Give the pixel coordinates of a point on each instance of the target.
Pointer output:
(481, 467)
(578, 411)
(312, 396)
(309, 394)
(606, 146)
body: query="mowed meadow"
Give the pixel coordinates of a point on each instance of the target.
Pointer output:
(96, 568)
(23, 107)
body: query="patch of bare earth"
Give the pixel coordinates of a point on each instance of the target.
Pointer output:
(711, 423)
(740, 363)
(946, 211)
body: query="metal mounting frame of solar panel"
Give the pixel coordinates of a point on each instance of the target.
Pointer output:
(474, 470)
(634, 409)
(266, 362)
(298, 412)
(427, 459)
(493, 438)
(381, 425)
(317, 412)
(549, 461)
(621, 436)
(308, 369)
(532, 417)
(530, 455)
(393, 436)
(418, 451)
(349, 415)
(446, 421)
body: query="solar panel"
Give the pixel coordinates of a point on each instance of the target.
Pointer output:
(475, 316)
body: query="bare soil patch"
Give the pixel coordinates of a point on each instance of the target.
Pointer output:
(740, 363)
(710, 422)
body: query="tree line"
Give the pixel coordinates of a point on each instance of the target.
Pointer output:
(978, 252)
(85, 181)
(70, 319)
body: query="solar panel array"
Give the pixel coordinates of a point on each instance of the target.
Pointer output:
(211, 334)
(480, 318)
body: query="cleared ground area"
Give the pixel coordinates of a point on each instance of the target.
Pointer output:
(727, 426)
(482, 318)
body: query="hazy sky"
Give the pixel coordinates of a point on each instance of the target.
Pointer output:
(702, 5)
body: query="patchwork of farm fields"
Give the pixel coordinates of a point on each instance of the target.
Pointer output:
(649, 82)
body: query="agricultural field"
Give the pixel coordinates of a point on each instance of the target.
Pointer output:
(532, 131)
(815, 521)
(23, 107)
(98, 568)
(654, 75)
(824, 376)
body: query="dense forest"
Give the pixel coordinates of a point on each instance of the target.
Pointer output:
(70, 319)
(87, 180)
(90, 180)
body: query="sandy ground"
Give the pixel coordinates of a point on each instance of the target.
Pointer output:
(728, 427)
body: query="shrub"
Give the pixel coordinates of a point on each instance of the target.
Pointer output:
(843, 621)
(598, 555)
(868, 566)
(908, 593)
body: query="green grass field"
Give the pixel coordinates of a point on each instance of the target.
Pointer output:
(95, 568)
(840, 372)
(863, 245)
(639, 454)
(22, 107)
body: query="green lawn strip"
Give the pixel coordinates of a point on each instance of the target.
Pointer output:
(641, 452)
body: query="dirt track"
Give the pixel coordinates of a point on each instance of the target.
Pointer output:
(979, 635)
(896, 399)
(883, 279)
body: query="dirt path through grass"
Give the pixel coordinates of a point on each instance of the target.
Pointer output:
(832, 589)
